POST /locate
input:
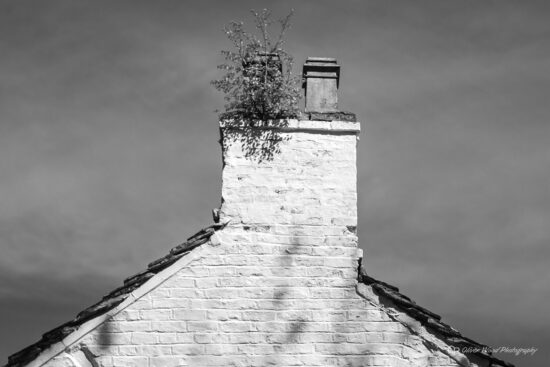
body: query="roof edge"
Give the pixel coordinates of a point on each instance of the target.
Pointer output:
(431, 321)
(55, 341)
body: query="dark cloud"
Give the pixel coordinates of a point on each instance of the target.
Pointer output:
(109, 154)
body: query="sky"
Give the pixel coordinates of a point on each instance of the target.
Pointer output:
(109, 154)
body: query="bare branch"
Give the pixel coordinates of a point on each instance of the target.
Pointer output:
(285, 25)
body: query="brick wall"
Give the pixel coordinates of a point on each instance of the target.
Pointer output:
(278, 285)
(312, 180)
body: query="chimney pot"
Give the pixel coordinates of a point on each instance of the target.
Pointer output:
(321, 80)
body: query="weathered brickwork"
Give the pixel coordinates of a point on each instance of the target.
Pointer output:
(312, 180)
(278, 285)
(251, 302)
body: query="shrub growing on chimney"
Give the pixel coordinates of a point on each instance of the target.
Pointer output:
(258, 81)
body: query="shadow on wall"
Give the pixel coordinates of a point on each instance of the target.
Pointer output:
(260, 140)
(346, 334)
(298, 326)
(105, 336)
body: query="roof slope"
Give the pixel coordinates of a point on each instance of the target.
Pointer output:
(429, 319)
(112, 299)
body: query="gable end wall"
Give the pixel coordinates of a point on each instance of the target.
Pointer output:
(257, 299)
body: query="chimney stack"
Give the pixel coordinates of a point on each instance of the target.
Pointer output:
(310, 181)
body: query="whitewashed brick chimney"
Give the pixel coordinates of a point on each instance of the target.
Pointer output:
(311, 181)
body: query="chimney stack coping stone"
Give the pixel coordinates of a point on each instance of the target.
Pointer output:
(295, 124)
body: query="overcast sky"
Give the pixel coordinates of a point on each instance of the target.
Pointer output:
(109, 153)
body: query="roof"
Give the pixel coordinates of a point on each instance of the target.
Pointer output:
(113, 298)
(429, 320)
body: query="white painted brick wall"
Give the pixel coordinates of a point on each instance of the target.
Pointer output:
(312, 180)
(280, 286)
(243, 311)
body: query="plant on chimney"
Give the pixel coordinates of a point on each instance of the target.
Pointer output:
(258, 83)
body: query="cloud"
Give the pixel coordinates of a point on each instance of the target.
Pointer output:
(109, 155)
